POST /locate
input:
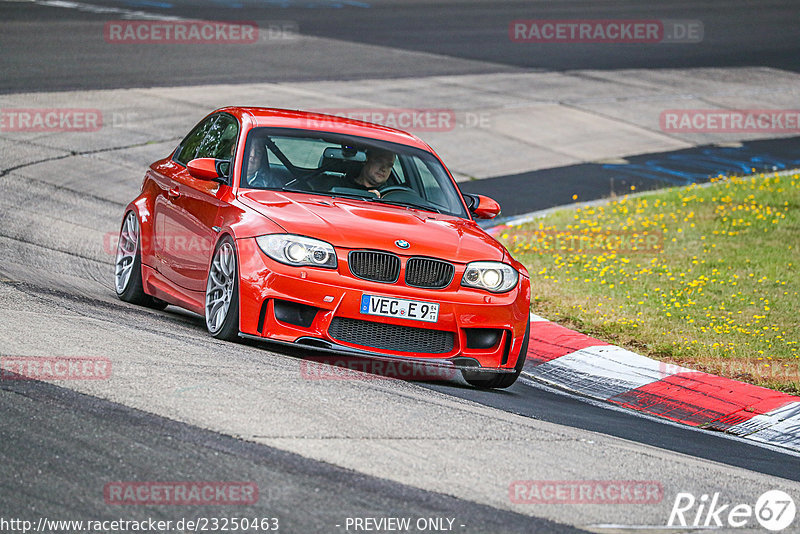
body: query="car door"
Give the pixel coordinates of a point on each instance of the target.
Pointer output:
(166, 177)
(188, 211)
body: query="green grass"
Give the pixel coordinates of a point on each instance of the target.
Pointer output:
(701, 276)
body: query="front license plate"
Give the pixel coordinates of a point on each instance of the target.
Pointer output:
(405, 309)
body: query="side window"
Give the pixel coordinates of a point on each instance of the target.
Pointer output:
(220, 139)
(188, 148)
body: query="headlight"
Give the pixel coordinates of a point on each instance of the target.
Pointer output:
(298, 250)
(490, 275)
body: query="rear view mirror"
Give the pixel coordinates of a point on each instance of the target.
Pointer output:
(203, 169)
(482, 207)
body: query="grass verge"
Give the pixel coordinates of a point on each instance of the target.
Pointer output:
(701, 276)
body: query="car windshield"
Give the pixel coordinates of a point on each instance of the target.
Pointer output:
(348, 166)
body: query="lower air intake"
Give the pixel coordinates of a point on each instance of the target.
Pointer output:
(390, 337)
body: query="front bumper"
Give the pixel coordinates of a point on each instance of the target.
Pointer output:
(320, 308)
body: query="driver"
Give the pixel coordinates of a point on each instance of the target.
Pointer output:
(258, 171)
(375, 171)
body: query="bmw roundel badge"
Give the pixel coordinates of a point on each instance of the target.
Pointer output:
(402, 243)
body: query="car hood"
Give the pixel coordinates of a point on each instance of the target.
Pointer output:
(356, 224)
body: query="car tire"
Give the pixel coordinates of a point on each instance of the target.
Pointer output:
(222, 292)
(500, 381)
(128, 266)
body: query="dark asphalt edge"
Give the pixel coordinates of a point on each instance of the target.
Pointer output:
(526, 192)
(291, 463)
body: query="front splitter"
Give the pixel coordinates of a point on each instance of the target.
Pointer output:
(323, 345)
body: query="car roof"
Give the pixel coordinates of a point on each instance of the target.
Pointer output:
(306, 120)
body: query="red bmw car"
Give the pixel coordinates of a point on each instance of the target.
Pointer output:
(327, 232)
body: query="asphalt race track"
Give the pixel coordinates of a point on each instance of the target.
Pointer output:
(111, 442)
(181, 406)
(464, 37)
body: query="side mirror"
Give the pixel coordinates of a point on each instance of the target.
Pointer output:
(482, 207)
(203, 169)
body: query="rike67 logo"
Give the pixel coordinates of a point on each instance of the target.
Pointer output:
(774, 510)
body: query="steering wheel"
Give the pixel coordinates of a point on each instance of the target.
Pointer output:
(397, 189)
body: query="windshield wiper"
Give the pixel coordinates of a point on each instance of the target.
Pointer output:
(329, 194)
(410, 205)
(293, 190)
(352, 195)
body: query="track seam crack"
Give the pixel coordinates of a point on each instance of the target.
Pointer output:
(72, 153)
